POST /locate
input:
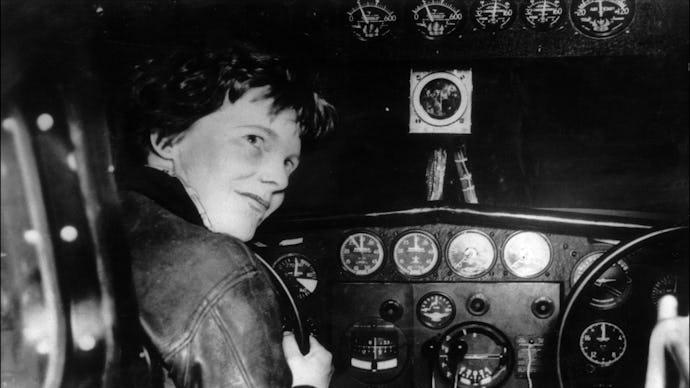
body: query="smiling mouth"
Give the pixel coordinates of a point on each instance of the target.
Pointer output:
(259, 202)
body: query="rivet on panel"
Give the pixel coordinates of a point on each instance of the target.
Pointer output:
(45, 122)
(68, 233)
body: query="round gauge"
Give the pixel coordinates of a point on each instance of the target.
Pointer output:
(437, 18)
(361, 253)
(370, 19)
(493, 15)
(435, 310)
(666, 285)
(543, 15)
(440, 98)
(603, 343)
(471, 254)
(475, 354)
(298, 273)
(582, 265)
(527, 254)
(612, 287)
(415, 254)
(601, 18)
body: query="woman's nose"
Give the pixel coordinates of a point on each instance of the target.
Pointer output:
(275, 173)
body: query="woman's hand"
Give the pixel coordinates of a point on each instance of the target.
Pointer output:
(314, 369)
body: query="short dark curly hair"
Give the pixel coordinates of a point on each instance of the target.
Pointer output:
(170, 93)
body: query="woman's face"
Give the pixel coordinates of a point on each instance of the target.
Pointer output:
(238, 160)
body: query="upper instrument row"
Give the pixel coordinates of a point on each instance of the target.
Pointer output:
(438, 19)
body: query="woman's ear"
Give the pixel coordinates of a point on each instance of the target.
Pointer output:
(162, 146)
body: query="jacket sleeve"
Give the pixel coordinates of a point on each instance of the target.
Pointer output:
(235, 339)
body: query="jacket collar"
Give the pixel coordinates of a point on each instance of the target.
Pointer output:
(164, 189)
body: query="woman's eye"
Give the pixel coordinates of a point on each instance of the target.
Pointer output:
(254, 140)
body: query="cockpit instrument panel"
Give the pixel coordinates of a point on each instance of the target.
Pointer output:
(361, 253)
(415, 253)
(603, 343)
(527, 254)
(370, 19)
(471, 254)
(298, 273)
(543, 15)
(493, 15)
(601, 18)
(436, 19)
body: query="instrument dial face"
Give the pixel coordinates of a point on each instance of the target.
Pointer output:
(601, 18)
(435, 310)
(493, 15)
(440, 98)
(298, 273)
(415, 254)
(370, 19)
(435, 19)
(603, 343)
(582, 266)
(543, 15)
(471, 254)
(612, 287)
(527, 254)
(482, 354)
(361, 254)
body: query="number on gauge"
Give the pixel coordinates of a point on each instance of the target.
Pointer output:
(298, 273)
(603, 343)
(361, 254)
(471, 254)
(435, 19)
(435, 310)
(370, 19)
(493, 15)
(415, 254)
(527, 254)
(601, 18)
(542, 15)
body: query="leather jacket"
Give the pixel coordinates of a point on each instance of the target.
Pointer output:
(204, 302)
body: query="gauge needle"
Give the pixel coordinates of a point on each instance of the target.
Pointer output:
(603, 336)
(428, 11)
(364, 15)
(493, 11)
(294, 272)
(601, 281)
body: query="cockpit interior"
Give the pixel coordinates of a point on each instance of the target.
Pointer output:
(503, 201)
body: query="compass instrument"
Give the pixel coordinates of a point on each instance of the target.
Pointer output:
(436, 19)
(435, 310)
(471, 254)
(475, 354)
(298, 273)
(415, 253)
(361, 253)
(527, 254)
(370, 19)
(543, 15)
(601, 18)
(603, 343)
(493, 15)
(612, 287)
